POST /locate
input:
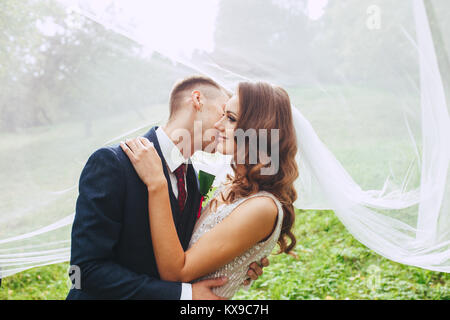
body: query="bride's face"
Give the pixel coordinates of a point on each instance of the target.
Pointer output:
(226, 126)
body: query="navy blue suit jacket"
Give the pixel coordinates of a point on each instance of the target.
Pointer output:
(111, 241)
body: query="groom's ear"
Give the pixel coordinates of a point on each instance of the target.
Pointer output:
(196, 99)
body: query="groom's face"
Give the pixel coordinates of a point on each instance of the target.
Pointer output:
(212, 112)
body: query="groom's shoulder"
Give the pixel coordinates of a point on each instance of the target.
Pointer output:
(114, 155)
(109, 155)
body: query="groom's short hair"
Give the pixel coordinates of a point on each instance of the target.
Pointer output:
(183, 86)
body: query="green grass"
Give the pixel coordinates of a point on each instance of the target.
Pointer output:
(42, 283)
(331, 264)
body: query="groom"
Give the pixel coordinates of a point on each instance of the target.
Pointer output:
(111, 243)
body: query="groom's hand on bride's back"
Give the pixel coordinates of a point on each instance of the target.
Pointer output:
(202, 290)
(255, 270)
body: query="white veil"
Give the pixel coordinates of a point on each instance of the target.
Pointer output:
(369, 81)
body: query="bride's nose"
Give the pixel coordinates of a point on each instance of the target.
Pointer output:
(219, 124)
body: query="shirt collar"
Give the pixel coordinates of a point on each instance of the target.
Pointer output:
(169, 150)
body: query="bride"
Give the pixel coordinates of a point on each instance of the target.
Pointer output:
(249, 213)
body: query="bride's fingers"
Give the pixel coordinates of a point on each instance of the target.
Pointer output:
(139, 143)
(145, 142)
(149, 146)
(131, 144)
(127, 151)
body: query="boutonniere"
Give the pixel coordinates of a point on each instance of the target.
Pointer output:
(206, 180)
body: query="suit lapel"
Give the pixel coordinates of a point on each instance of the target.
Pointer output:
(192, 176)
(151, 135)
(190, 173)
(184, 221)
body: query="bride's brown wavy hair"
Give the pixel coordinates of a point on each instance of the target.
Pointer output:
(265, 106)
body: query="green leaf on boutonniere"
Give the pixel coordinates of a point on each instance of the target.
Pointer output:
(206, 180)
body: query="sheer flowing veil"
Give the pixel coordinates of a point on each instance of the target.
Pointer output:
(378, 220)
(368, 80)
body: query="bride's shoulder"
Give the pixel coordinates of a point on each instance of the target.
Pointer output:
(259, 213)
(267, 198)
(263, 205)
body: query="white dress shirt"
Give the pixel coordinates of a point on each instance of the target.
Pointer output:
(174, 159)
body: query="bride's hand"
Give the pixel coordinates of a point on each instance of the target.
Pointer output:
(145, 160)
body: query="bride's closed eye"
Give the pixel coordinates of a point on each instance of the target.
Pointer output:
(231, 116)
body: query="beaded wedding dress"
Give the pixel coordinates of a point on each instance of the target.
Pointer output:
(236, 270)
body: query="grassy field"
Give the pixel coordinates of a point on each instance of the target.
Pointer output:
(331, 264)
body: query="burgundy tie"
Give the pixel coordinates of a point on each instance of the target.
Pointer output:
(179, 174)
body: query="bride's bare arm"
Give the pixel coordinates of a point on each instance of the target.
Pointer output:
(249, 223)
